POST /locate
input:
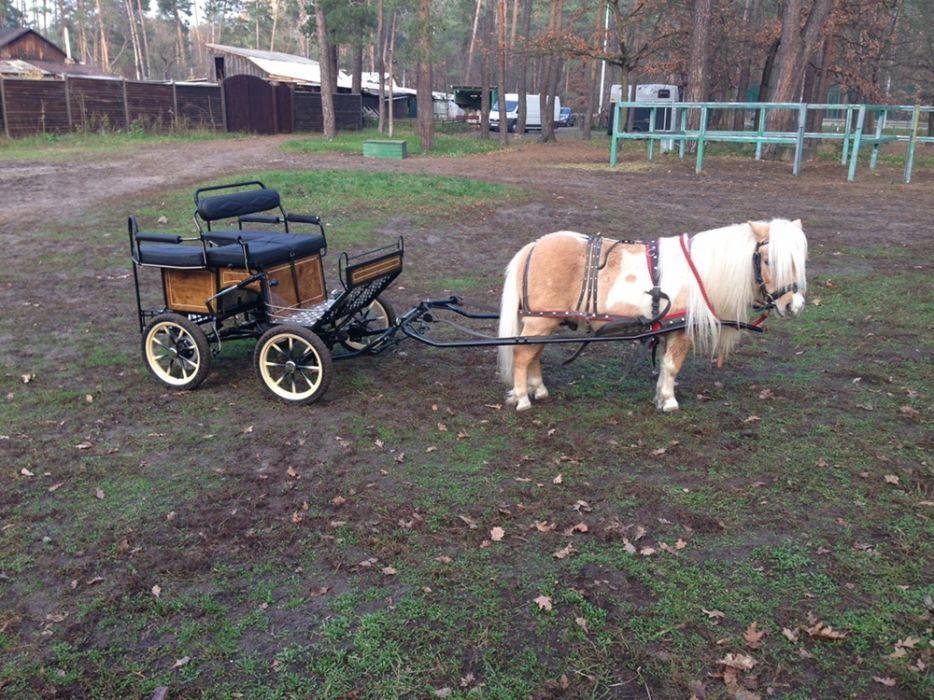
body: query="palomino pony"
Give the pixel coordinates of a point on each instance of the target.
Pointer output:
(687, 289)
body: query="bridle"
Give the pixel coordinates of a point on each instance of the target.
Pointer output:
(767, 299)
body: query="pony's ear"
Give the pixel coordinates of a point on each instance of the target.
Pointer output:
(760, 229)
(797, 222)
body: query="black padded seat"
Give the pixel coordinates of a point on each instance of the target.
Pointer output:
(301, 245)
(259, 254)
(228, 206)
(171, 255)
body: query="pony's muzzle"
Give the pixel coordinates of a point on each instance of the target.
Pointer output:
(790, 304)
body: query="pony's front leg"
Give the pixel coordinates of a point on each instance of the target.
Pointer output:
(676, 349)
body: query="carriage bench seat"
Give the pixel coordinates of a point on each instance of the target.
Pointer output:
(170, 250)
(301, 245)
(164, 250)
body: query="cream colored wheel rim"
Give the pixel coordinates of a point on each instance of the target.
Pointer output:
(290, 366)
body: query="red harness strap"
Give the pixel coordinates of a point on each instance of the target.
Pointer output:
(687, 256)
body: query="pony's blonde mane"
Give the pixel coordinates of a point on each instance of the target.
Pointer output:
(723, 258)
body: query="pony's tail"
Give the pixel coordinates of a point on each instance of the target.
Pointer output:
(509, 314)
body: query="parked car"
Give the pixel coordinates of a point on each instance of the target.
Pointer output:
(566, 117)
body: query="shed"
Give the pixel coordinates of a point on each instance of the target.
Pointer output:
(24, 53)
(270, 92)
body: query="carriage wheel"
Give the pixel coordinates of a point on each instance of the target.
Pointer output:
(293, 364)
(375, 318)
(175, 350)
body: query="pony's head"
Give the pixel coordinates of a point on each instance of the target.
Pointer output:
(779, 262)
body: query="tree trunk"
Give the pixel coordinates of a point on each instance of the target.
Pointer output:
(485, 82)
(551, 76)
(599, 35)
(390, 50)
(324, 64)
(795, 49)
(356, 69)
(381, 66)
(144, 43)
(424, 99)
(697, 72)
(523, 87)
(750, 20)
(473, 43)
(501, 32)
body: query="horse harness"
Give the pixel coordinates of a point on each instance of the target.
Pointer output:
(768, 298)
(586, 308)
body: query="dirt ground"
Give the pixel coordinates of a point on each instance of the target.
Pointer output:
(570, 186)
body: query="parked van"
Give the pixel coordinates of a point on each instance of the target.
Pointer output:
(533, 112)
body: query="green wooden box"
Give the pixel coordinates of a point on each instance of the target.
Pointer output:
(384, 148)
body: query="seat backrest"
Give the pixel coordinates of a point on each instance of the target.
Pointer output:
(229, 206)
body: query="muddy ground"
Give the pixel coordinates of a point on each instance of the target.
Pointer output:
(567, 185)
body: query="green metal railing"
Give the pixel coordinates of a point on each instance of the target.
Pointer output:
(851, 137)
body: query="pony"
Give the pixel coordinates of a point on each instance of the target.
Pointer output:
(686, 291)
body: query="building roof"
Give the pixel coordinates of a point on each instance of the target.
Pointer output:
(8, 36)
(289, 68)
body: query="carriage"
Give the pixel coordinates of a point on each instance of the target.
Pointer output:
(253, 270)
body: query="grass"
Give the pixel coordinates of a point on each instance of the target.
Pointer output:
(223, 545)
(83, 146)
(443, 144)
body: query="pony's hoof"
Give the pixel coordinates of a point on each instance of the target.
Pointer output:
(523, 404)
(540, 393)
(669, 405)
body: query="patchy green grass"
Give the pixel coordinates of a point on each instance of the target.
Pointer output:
(443, 144)
(84, 146)
(410, 536)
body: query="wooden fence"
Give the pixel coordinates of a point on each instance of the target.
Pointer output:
(29, 107)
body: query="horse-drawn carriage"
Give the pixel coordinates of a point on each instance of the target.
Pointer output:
(251, 272)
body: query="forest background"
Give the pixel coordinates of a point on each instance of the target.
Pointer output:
(876, 51)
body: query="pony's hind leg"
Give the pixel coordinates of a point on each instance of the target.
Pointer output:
(524, 356)
(676, 349)
(527, 366)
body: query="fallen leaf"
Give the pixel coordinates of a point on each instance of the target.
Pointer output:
(443, 692)
(389, 571)
(543, 602)
(891, 479)
(247, 430)
(98, 493)
(26, 472)
(898, 653)
(88, 398)
(908, 642)
(647, 551)
(628, 546)
(563, 552)
(790, 635)
(27, 377)
(56, 486)
(887, 681)
(753, 636)
(822, 631)
(713, 614)
(497, 533)
(580, 527)
(741, 662)
(400, 457)
(680, 544)
(156, 590)
(752, 419)
(557, 480)
(544, 526)
(659, 452)
(83, 445)
(182, 662)
(297, 518)
(338, 501)
(442, 428)
(582, 623)
(470, 522)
